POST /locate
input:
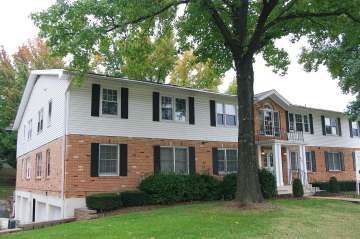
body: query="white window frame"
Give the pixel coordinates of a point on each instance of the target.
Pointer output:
(40, 123)
(309, 160)
(28, 168)
(118, 161)
(332, 158)
(29, 133)
(307, 124)
(336, 126)
(226, 160)
(297, 122)
(224, 114)
(173, 109)
(50, 111)
(292, 127)
(275, 129)
(355, 129)
(48, 163)
(38, 165)
(117, 101)
(173, 148)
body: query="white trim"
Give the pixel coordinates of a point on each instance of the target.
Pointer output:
(174, 157)
(118, 161)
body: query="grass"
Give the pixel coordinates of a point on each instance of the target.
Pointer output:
(6, 191)
(289, 219)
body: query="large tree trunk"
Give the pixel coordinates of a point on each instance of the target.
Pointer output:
(248, 186)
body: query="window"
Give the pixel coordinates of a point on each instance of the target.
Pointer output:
(331, 126)
(225, 114)
(109, 102)
(180, 109)
(38, 163)
(227, 160)
(294, 161)
(310, 161)
(49, 112)
(291, 122)
(269, 122)
(28, 168)
(29, 129)
(333, 161)
(109, 160)
(306, 123)
(174, 160)
(40, 120)
(48, 162)
(298, 122)
(355, 128)
(168, 111)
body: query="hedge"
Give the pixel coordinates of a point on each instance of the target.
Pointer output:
(297, 188)
(171, 188)
(104, 201)
(135, 198)
(344, 186)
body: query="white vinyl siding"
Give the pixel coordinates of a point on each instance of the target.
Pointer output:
(29, 134)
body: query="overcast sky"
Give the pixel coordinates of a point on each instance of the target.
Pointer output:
(311, 89)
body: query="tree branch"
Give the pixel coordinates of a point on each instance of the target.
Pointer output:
(239, 20)
(150, 15)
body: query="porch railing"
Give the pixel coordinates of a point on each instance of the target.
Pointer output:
(263, 135)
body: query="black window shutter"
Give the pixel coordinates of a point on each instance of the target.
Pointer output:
(313, 161)
(215, 161)
(342, 162)
(124, 102)
(123, 159)
(326, 161)
(323, 124)
(354, 160)
(311, 124)
(156, 105)
(287, 120)
(191, 111)
(95, 100)
(94, 164)
(212, 113)
(192, 169)
(157, 166)
(350, 129)
(339, 126)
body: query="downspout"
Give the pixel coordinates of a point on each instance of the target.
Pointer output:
(66, 106)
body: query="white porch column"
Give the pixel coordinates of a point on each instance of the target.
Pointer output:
(302, 164)
(276, 148)
(259, 155)
(288, 166)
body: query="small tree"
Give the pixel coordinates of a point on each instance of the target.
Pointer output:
(297, 187)
(333, 185)
(268, 183)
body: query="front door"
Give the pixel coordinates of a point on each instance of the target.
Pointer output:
(294, 166)
(268, 161)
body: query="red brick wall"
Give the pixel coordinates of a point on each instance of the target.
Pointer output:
(321, 174)
(42, 185)
(78, 182)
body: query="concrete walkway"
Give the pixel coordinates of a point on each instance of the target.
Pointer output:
(354, 200)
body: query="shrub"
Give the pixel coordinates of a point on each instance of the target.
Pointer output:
(135, 198)
(104, 202)
(267, 183)
(333, 185)
(344, 186)
(297, 187)
(228, 186)
(171, 188)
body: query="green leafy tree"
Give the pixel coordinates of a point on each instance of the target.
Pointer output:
(232, 88)
(13, 75)
(229, 32)
(190, 73)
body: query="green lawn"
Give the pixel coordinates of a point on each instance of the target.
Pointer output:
(6, 191)
(290, 219)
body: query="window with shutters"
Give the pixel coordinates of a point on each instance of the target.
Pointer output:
(173, 108)
(334, 161)
(310, 164)
(291, 122)
(28, 168)
(38, 165)
(355, 128)
(306, 124)
(109, 102)
(108, 160)
(227, 160)
(298, 122)
(225, 114)
(48, 163)
(174, 160)
(40, 122)
(331, 127)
